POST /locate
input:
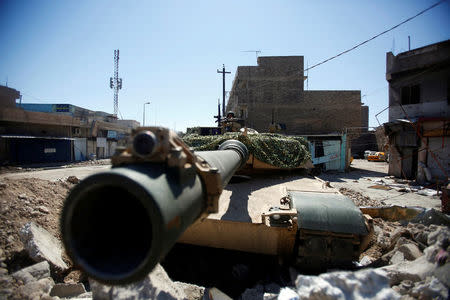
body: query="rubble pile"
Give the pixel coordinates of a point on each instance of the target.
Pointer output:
(30, 199)
(403, 261)
(359, 199)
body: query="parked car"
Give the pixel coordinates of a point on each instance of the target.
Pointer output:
(368, 152)
(377, 156)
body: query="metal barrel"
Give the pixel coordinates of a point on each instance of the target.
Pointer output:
(117, 225)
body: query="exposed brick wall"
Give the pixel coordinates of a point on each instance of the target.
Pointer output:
(274, 89)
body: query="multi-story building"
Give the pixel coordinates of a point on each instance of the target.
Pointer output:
(273, 93)
(419, 123)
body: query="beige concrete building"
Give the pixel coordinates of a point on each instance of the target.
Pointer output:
(273, 93)
(33, 133)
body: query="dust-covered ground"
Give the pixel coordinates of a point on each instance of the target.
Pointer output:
(26, 199)
(370, 179)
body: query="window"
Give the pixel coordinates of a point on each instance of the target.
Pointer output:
(411, 94)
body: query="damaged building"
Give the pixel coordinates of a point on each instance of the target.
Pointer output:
(36, 133)
(419, 121)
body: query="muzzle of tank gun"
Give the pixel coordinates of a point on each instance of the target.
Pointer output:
(117, 225)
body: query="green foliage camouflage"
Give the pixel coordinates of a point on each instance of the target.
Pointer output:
(285, 152)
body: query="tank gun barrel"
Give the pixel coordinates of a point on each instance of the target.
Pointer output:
(118, 224)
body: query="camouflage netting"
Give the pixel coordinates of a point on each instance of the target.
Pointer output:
(275, 149)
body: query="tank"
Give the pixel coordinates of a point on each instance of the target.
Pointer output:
(280, 211)
(117, 225)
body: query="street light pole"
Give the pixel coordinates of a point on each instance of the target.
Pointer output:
(143, 116)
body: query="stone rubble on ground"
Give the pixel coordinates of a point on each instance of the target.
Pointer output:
(67, 290)
(156, 285)
(412, 263)
(41, 245)
(35, 289)
(33, 273)
(363, 284)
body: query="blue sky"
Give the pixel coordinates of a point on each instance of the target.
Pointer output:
(62, 51)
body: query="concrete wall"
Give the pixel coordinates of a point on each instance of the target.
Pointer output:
(273, 90)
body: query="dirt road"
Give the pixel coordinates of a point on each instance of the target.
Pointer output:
(58, 173)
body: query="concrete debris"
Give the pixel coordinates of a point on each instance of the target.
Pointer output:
(410, 251)
(431, 216)
(191, 291)
(366, 260)
(431, 288)
(41, 245)
(43, 209)
(363, 284)
(439, 235)
(22, 197)
(359, 199)
(75, 276)
(35, 289)
(415, 270)
(398, 257)
(73, 179)
(443, 274)
(287, 294)
(427, 192)
(33, 273)
(66, 290)
(157, 285)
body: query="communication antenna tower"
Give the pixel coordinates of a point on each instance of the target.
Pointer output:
(115, 82)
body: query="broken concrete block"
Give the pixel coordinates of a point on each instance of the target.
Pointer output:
(404, 287)
(191, 291)
(431, 216)
(33, 273)
(410, 251)
(287, 293)
(364, 284)
(430, 289)
(443, 274)
(439, 235)
(366, 260)
(36, 289)
(415, 270)
(157, 285)
(41, 245)
(398, 257)
(431, 252)
(66, 290)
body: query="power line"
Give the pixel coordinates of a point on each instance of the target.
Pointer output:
(374, 37)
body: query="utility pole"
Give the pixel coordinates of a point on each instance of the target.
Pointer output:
(115, 82)
(223, 87)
